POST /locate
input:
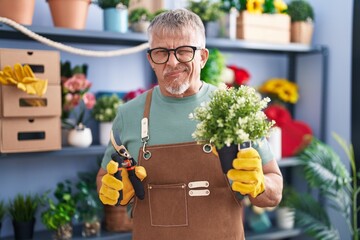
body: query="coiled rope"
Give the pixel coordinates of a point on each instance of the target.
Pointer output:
(63, 47)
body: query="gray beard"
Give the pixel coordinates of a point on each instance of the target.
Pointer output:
(178, 90)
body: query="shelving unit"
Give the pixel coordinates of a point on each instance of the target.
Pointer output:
(291, 51)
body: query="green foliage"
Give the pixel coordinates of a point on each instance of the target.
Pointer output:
(300, 10)
(312, 217)
(105, 108)
(89, 207)
(213, 68)
(140, 14)
(23, 207)
(112, 3)
(62, 212)
(3, 209)
(239, 5)
(68, 71)
(206, 10)
(325, 171)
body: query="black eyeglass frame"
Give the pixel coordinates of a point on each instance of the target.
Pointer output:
(194, 48)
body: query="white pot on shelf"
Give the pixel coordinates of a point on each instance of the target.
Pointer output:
(80, 137)
(275, 141)
(104, 133)
(285, 218)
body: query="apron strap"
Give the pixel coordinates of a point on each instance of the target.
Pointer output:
(145, 125)
(148, 104)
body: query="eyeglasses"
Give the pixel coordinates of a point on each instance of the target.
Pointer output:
(183, 54)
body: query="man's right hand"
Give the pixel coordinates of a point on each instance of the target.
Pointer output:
(110, 187)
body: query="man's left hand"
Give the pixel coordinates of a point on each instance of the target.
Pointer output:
(247, 174)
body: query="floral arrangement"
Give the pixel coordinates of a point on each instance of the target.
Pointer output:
(232, 116)
(75, 94)
(281, 90)
(264, 6)
(105, 108)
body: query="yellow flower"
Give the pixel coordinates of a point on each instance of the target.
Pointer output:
(281, 89)
(280, 5)
(255, 6)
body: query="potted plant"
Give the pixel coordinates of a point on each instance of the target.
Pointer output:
(213, 68)
(232, 117)
(20, 11)
(140, 18)
(58, 215)
(69, 14)
(88, 208)
(22, 210)
(285, 212)
(210, 13)
(326, 172)
(115, 14)
(3, 210)
(302, 21)
(104, 112)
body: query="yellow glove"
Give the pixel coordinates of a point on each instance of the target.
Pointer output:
(247, 174)
(24, 78)
(109, 191)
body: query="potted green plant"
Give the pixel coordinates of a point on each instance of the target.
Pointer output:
(325, 172)
(58, 215)
(3, 210)
(115, 14)
(285, 212)
(210, 13)
(104, 112)
(22, 210)
(139, 19)
(89, 208)
(214, 67)
(302, 21)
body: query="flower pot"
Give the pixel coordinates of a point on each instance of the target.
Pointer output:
(69, 13)
(23, 230)
(285, 218)
(275, 142)
(104, 133)
(63, 232)
(228, 154)
(80, 137)
(116, 20)
(301, 32)
(141, 26)
(21, 11)
(91, 229)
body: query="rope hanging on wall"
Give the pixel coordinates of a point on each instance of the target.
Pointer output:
(78, 51)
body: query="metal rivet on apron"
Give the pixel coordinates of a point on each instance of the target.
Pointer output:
(147, 155)
(149, 187)
(207, 148)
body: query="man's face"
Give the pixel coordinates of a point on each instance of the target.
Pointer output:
(178, 79)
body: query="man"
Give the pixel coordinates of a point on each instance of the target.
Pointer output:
(187, 196)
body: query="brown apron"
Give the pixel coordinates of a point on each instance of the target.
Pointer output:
(186, 195)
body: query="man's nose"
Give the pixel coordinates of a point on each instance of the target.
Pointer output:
(172, 59)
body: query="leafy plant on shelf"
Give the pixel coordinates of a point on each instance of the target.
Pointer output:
(207, 10)
(325, 171)
(300, 11)
(112, 3)
(24, 207)
(105, 108)
(59, 214)
(215, 65)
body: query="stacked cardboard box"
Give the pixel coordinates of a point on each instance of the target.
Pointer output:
(271, 28)
(30, 123)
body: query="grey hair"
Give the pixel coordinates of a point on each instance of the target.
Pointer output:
(177, 21)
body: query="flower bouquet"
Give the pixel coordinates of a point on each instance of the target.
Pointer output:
(280, 90)
(233, 116)
(105, 108)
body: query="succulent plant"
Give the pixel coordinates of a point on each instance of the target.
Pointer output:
(300, 11)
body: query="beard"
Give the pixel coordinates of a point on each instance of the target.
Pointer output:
(178, 85)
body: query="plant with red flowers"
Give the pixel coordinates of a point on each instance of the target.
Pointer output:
(241, 76)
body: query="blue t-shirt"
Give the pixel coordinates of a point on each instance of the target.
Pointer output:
(168, 123)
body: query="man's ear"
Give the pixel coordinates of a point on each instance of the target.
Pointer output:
(204, 57)
(150, 61)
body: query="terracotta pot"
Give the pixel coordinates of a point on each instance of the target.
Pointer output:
(21, 11)
(302, 32)
(69, 13)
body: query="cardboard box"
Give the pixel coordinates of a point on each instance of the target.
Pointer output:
(45, 64)
(273, 28)
(152, 5)
(17, 103)
(30, 134)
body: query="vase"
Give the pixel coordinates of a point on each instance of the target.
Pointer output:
(116, 20)
(80, 137)
(70, 13)
(91, 229)
(285, 218)
(20, 11)
(104, 133)
(275, 142)
(228, 154)
(23, 230)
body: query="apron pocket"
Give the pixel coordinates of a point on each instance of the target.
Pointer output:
(168, 205)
